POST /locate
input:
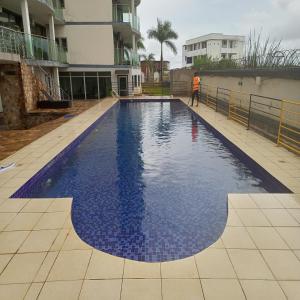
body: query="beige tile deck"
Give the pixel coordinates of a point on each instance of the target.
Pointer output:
(257, 256)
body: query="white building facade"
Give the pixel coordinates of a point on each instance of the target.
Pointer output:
(89, 47)
(215, 45)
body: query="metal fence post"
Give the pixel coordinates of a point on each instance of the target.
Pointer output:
(249, 112)
(280, 122)
(217, 95)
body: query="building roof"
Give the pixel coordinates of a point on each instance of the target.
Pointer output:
(215, 36)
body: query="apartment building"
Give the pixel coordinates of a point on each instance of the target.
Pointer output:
(82, 49)
(215, 45)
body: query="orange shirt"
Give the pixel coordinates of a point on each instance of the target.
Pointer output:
(196, 83)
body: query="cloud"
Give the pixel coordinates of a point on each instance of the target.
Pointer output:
(191, 18)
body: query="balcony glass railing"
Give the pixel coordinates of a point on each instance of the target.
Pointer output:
(59, 13)
(47, 2)
(124, 56)
(30, 46)
(122, 14)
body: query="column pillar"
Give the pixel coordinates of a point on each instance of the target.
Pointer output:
(54, 54)
(56, 83)
(27, 29)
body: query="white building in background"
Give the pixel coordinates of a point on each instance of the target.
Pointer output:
(215, 45)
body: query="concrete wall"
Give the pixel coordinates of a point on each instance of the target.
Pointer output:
(89, 44)
(266, 85)
(88, 10)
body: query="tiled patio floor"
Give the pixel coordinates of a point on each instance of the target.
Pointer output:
(257, 257)
(13, 140)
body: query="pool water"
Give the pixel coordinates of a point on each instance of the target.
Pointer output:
(150, 182)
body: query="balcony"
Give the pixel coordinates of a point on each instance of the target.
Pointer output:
(30, 46)
(126, 57)
(123, 14)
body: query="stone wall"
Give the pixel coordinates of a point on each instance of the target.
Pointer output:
(11, 90)
(31, 87)
(20, 91)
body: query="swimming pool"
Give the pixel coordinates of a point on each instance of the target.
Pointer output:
(150, 181)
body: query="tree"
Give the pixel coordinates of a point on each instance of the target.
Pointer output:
(163, 33)
(140, 44)
(148, 59)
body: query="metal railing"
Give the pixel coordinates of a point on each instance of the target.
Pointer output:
(30, 46)
(289, 126)
(125, 56)
(276, 119)
(122, 14)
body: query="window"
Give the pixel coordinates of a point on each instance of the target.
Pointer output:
(61, 3)
(189, 60)
(224, 44)
(62, 42)
(231, 44)
(204, 45)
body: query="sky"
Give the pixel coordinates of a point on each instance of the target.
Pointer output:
(279, 19)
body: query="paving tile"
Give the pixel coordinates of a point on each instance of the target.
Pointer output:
(289, 200)
(53, 220)
(23, 221)
(241, 201)
(22, 268)
(5, 219)
(283, 263)
(266, 201)
(214, 263)
(105, 266)
(252, 217)
(291, 289)
(184, 268)
(39, 241)
(266, 238)
(295, 213)
(37, 205)
(46, 266)
(70, 265)
(60, 205)
(4, 259)
(182, 289)
(33, 291)
(13, 205)
(137, 289)
(61, 290)
(262, 290)
(136, 270)
(297, 253)
(10, 242)
(237, 237)
(280, 217)
(74, 242)
(218, 244)
(291, 235)
(217, 289)
(249, 264)
(60, 239)
(233, 219)
(101, 289)
(13, 291)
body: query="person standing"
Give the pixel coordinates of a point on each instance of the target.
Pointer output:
(196, 86)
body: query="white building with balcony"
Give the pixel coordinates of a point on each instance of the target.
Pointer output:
(215, 45)
(88, 48)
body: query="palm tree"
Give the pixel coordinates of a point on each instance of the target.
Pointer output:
(163, 33)
(140, 44)
(149, 63)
